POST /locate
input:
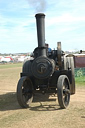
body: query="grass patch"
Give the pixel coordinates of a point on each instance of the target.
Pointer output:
(4, 66)
(80, 81)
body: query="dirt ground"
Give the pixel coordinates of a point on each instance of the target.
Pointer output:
(44, 112)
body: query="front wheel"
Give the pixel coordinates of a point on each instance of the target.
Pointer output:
(63, 91)
(24, 92)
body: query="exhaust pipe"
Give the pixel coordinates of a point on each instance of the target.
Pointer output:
(40, 23)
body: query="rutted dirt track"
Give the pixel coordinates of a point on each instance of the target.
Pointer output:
(44, 112)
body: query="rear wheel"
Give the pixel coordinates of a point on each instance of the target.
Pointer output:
(69, 64)
(63, 91)
(73, 76)
(24, 92)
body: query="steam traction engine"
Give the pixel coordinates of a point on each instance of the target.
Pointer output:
(48, 72)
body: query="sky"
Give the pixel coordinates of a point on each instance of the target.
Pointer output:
(64, 21)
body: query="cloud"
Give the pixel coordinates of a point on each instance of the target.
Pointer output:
(64, 18)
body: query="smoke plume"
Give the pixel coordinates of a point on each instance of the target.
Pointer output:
(38, 5)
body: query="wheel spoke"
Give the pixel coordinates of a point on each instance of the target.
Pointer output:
(66, 91)
(66, 100)
(27, 94)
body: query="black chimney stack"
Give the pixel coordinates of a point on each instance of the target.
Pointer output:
(40, 22)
